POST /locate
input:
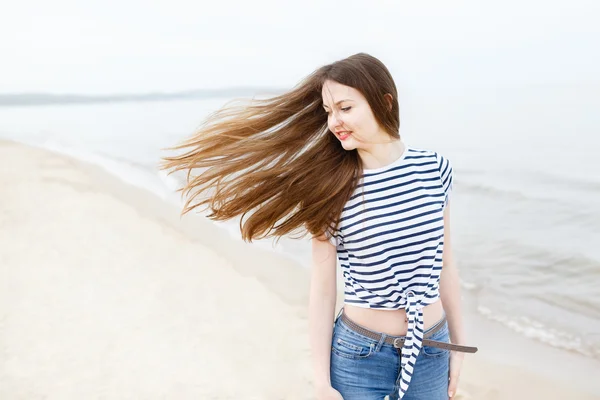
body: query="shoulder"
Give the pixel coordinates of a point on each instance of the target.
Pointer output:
(439, 163)
(433, 159)
(419, 153)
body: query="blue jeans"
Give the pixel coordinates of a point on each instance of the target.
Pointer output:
(366, 369)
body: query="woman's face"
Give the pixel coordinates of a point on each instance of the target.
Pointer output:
(350, 117)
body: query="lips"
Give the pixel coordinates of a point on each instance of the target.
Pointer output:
(343, 135)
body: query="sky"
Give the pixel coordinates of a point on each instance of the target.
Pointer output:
(134, 46)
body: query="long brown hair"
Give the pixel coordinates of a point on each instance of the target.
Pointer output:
(275, 161)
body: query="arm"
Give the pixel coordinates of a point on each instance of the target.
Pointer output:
(450, 286)
(321, 308)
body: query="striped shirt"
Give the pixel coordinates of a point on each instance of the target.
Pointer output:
(390, 241)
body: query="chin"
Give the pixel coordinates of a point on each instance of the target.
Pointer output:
(348, 144)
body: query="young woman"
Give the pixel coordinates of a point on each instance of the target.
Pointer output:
(327, 158)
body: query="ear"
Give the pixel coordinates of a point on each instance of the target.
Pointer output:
(389, 100)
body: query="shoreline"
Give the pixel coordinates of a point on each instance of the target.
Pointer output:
(269, 282)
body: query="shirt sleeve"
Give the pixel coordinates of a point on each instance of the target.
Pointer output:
(446, 176)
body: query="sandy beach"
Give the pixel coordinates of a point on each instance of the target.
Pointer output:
(108, 294)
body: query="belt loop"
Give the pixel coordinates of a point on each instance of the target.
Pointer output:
(381, 342)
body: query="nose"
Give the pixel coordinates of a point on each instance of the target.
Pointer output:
(335, 120)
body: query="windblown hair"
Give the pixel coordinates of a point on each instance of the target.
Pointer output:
(276, 162)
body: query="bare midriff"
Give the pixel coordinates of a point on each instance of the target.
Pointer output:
(392, 322)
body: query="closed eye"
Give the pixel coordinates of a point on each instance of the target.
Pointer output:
(344, 109)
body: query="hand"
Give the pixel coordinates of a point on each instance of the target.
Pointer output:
(456, 359)
(328, 393)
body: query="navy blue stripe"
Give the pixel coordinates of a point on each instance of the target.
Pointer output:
(446, 180)
(388, 269)
(355, 301)
(399, 167)
(397, 230)
(445, 165)
(404, 211)
(418, 330)
(400, 292)
(418, 293)
(399, 194)
(395, 177)
(395, 302)
(398, 239)
(389, 249)
(447, 187)
(408, 253)
(388, 205)
(415, 157)
(387, 278)
(396, 186)
(435, 274)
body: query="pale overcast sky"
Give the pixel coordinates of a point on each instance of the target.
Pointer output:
(130, 46)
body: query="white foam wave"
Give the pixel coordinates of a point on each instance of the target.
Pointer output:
(536, 330)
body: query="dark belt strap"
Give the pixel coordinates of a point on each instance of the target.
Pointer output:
(398, 341)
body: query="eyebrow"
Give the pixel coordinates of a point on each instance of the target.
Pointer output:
(337, 102)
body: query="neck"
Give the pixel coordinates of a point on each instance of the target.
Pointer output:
(381, 154)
